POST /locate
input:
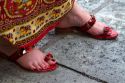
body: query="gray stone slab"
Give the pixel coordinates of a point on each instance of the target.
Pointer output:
(119, 1)
(93, 5)
(102, 59)
(11, 73)
(5, 78)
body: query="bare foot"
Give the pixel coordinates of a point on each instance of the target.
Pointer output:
(78, 17)
(34, 60)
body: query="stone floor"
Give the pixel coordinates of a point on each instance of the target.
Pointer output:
(81, 59)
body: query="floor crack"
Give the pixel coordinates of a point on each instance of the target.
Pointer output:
(83, 73)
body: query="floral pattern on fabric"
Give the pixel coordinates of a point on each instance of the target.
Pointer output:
(19, 8)
(22, 21)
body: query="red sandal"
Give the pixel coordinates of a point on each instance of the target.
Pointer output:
(12, 53)
(48, 57)
(52, 67)
(108, 32)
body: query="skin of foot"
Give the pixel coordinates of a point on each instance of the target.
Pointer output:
(78, 16)
(34, 60)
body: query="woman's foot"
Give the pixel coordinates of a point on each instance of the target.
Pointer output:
(35, 60)
(78, 17)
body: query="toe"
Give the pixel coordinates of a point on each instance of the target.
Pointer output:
(46, 64)
(52, 61)
(42, 65)
(114, 33)
(32, 67)
(36, 65)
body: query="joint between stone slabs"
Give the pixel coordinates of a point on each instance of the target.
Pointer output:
(82, 73)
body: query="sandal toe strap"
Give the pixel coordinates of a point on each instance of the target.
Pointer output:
(48, 57)
(107, 31)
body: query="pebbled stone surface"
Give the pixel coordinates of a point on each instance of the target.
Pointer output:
(11, 73)
(101, 59)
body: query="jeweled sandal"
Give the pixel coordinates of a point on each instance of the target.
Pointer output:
(108, 32)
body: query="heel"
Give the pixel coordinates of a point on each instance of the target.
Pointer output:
(68, 30)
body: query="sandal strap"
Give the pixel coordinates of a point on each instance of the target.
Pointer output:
(107, 30)
(89, 24)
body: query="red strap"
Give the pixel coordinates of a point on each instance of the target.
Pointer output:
(89, 24)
